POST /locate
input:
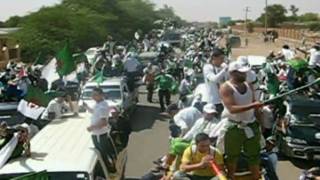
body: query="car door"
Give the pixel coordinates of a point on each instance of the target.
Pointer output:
(126, 98)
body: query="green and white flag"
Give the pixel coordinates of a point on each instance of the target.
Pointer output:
(65, 61)
(30, 110)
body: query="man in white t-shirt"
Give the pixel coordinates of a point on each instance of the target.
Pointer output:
(287, 52)
(315, 55)
(215, 72)
(186, 118)
(55, 109)
(100, 128)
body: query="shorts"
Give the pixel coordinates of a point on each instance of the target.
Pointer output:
(236, 141)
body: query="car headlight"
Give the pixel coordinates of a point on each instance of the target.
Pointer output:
(295, 140)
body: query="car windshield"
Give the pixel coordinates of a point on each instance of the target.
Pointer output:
(52, 175)
(306, 119)
(110, 92)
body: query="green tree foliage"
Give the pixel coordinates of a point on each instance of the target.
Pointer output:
(85, 24)
(13, 21)
(276, 15)
(167, 13)
(307, 17)
(46, 30)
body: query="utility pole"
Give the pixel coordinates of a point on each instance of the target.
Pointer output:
(247, 10)
(266, 18)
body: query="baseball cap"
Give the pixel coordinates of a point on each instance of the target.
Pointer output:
(236, 66)
(209, 108)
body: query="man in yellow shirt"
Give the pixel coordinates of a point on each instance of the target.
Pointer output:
(196, 160)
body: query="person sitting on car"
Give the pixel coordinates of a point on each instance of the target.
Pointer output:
(120, 129)
(311, 174)
(23, 147)
(196, 159)
(55, 109)
(5, 134)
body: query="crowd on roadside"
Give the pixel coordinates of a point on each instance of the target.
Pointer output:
(220, 119)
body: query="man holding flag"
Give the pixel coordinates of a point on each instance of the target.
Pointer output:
(242, 128)
(197, 158)
(55, 109)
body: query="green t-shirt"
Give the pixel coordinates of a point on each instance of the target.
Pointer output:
(164, 81)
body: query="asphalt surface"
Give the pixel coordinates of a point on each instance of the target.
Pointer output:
(149, 140)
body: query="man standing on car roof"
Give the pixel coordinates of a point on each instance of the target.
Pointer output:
(242, 129)
(214, 73)
(100, 129)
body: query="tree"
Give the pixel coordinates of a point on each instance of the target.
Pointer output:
(13, 21)
(85, 24)
(294, 10)
(307, 17)
(276, 15)
(167, 13)
(47, 30)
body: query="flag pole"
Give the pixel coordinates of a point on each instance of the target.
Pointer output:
(292, 91)
(218, 172)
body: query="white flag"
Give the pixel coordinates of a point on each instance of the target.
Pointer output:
(30, 110)
(7, 150)
(49, 72)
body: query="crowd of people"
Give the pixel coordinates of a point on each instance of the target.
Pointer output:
(219, 119)
(224, 119)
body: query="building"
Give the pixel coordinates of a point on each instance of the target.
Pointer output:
(224, 21)
(9, 48)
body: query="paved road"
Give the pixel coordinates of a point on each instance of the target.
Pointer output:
(150, 137)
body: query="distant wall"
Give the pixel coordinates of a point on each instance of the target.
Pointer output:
(287, 33)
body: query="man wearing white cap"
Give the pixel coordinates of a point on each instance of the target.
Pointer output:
(204, 124)
(214, 73)
(242, 129)
(251, 78)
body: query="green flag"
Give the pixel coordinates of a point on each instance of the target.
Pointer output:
(298, 64)
(43, 175)
(99, 78)
(37, 96)
(273, 83)
(65, 61)
(41, 59)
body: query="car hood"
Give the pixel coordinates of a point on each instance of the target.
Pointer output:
(112, 103)
(307, 133)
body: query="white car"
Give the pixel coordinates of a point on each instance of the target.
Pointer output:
(116, 94)
(256, 62)
(63, 150)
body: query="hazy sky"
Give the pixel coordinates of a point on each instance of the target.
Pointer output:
(200, 10)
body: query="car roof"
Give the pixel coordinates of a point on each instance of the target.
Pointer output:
(62, 146)
(114, 81)
(256, 60)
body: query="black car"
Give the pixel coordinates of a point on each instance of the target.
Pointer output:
(301, 136)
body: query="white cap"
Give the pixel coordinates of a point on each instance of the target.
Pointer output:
(243, 60)
(24, 126)
(236, 66)
(209, 108)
